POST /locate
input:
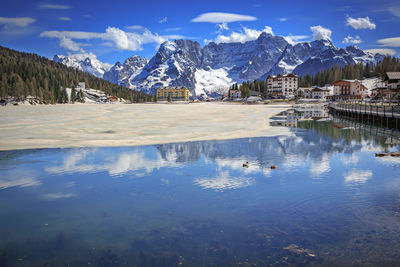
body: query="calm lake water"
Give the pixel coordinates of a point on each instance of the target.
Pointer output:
(329, 201)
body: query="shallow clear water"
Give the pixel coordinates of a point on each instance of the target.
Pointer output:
(329, 201)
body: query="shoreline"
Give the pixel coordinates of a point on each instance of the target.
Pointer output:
(89, 125)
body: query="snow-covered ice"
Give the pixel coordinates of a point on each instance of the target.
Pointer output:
(83, 125)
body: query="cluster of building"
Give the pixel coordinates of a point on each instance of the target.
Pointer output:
(389, 87)
(354, 90)
(93, 95)
(286, 86)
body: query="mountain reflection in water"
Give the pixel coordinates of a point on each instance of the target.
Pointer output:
(329, 201)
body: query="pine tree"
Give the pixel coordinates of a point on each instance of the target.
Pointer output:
(25, 74)
(81, 96)
(245, 90)
(73, 95)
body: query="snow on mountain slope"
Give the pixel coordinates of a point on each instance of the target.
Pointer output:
(85, 62)
(174, 64)
(364, 57)
(210, 70)
(185, 63)
(123, 74)
(212, 82)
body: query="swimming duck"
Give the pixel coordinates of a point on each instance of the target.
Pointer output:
(274, 167)
(246, 165)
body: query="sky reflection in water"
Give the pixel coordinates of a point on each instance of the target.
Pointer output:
(329, 201)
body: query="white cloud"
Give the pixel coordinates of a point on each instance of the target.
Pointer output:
(321, 33)
(352, 40)
(395, 10)
(383, 51)
(52, 6)
(18, 182)
(244, 36)
(282, 19)
(223, 181)
(173, 29)
(389, 161)
(163, 20)
(236, 164)
(57, 196)
(109, 44)
(350, 159)
(219, 17)
(294, 39)
(71, 34)
(222, 26)
(135, 27)
(64, 18)
(122, 40)
(18, 21)
(135, 161)
(320, 166)
(207, 41)
(360, 23)
(393, 42)
(358, 176)
(68, 44)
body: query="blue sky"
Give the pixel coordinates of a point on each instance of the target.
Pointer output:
(115, 30)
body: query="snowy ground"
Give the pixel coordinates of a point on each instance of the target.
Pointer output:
(81, 125)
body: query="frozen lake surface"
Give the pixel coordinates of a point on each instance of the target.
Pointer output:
(83, 125)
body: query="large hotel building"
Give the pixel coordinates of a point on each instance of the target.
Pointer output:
(175, 94)
(282, 85)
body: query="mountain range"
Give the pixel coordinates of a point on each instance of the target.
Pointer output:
(209, 71)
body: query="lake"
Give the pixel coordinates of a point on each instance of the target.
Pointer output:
(328, 201)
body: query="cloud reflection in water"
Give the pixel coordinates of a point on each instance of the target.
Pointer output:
(223, 181)
(358, 176)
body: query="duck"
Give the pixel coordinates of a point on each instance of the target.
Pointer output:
(395, 154)
(381, 154)
(274, 167)
(246, 165)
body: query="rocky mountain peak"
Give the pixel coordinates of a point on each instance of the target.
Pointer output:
(124, 73)
(210, 70)
(355, 50)
(85, 62)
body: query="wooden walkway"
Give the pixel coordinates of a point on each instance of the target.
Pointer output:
(365, 109)
(385, 116)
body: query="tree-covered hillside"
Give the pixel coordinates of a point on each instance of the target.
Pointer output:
(23, 74)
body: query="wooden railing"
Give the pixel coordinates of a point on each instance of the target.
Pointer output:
(385, 110)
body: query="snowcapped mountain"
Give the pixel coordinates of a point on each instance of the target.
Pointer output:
(210, 70)
(174, 64)
(361, 56)
(124, 73)
(85, 62)
(309, 58)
